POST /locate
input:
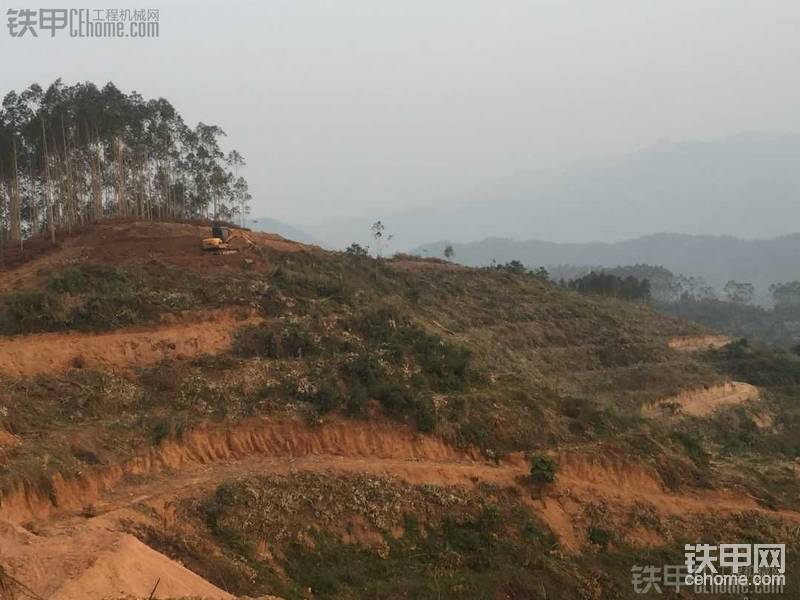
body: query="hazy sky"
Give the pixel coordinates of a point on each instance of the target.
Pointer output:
(368, 106)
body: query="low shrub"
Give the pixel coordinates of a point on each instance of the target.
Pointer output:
(109, 312)
(693, 445)
(32, 311)
(543, 469)
(84, 298)
(277, 339)
(445, 365)
(94, 279)
(599, 536)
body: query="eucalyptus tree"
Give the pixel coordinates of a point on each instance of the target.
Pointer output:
(76, 154)
(240, 194)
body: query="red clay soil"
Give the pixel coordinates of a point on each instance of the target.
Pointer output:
(69, 555)
(210, 454)
(698, 342)
(122, 350)
(95, 560)
(704, 401)
(121, 243)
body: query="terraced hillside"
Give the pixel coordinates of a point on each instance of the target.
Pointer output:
(295, 422)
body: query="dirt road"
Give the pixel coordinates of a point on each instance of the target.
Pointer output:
(69, 553)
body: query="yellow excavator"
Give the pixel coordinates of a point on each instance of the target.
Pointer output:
(221, 238)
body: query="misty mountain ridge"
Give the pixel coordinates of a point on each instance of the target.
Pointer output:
(717, 259)
(747, 186)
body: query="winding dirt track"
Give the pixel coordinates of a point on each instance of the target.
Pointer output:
(70, 555)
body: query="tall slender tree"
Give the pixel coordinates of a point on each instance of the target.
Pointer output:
(76, 154)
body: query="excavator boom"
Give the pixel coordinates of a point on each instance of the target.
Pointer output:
(220, 242)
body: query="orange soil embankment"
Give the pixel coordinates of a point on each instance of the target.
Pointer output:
(622, 486)
(286, 440)
(96, 558)
(264, 446)
(131, 568)
(123, 349)
(70, 554)
(698, 342)
(7, 439)
(702, 402)
(93, 560)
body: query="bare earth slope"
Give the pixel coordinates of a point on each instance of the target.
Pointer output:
(145, 380)
(122, 350)
(702, 402)
(73, 555)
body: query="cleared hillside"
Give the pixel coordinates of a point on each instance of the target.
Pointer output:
(284, 419)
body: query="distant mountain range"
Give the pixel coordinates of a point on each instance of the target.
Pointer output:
(717, 259)
(747, 186)
(735, 202)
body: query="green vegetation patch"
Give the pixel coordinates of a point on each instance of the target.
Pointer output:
(361, 536)
(96, 297)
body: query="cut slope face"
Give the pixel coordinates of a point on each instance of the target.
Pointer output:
(703, 402)
(212, 454)
(698, 342)
(215, 444)
(121, 350)
(74, 558)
